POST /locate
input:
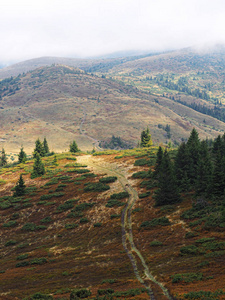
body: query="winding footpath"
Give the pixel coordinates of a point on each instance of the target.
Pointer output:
(141, 271)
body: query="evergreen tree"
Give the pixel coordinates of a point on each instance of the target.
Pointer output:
(218, 184)
(74, 147)
(20, 187)
(45, 146)
(55, 162)
(146, 140)
(39, 148)
(38, 167)
(168, 191)
(158, 164)
(22, 157)
(181, 168)
(3, 158)
(193, 153)
(204, 172)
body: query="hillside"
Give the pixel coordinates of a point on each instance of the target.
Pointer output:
(68, 232)
(65, 103)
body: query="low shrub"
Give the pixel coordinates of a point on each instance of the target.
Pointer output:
(186, 277)
(10, 224)
(114, 202)
(65, 206)
(22, 264)
(71, 226)
(114, 216)
(84, 220)
(22, 256)
(163, 221)
(41, 296)
(141, 162)
(120, 195)
(38, 261)
(80, 293)
(108, 179)
(141, 174)
(46, 220)
(191, 249)
(144, 195)
(10, 243)
(97, 224)
(96, 187)
(156, 243)
(105, 292)
(204, 295)
(111, 281)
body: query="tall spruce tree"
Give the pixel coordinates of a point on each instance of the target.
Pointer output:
(167, 192)
(204, 172)
(74, 147)
(3, 158)
(181, 168)
(159, 158)
(218, 182)
(193, 153)
(22, 157)
(45, 146)
(38, 167)
(20, 187)
(146, 140)
(39, 148)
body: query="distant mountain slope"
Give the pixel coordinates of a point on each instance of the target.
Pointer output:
(64, 103)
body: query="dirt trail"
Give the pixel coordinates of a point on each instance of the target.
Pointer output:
(141, 271)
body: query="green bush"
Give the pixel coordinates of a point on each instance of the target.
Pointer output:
(156, 243)
(163, 221)
(144, 195)
(141, 162)
(108, 179)
(76, 214)
(120, 195)
(46, 220)
(141, 174)
(80, 293)
(10, 224)
(41, 296)
(10, 243)
(22, 256)
(83, 206)
(204, 295)
(187, 277)
(96, 187)
(97, 224)
(38, 261)
(22, 264)
(29, 227)
(190, 234)
(71, 226)
(115, 216)
(191, 249)
(84, 220)
(65, 206)
(105, 292)
(108, 281)
(114, 202)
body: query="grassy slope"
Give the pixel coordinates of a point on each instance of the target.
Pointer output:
(54, 101)
(86, 255)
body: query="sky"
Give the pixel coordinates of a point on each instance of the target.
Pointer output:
(87, 28)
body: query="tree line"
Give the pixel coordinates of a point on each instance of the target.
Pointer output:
(198, 166)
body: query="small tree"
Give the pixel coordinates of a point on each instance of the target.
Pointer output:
(22, 157)
(39, 149)
(74, 147)
(45, 146)
(38, 167)
(146, 140)
(3, 159)
(20, 187)
(158, 162)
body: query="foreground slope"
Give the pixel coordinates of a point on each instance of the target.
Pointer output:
(63, 103)
(68, 232)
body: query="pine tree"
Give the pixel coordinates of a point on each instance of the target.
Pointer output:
(204, 172)
(193, 153)
(74, 147)
(22, 157)
(20, 187)
(181, 168)
(168, 191)
(218, 184)
(146, 140)
(38, 167)
(39, 149)
(55, 162)
(158, 162)
(3, 158)
(45, 146)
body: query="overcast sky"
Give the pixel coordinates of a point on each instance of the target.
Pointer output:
(81, 28)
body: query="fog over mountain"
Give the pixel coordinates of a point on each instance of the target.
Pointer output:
(94, 28)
